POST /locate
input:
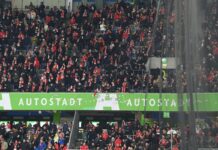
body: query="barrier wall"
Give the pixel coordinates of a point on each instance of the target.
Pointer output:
(21, 4)
(68, 4)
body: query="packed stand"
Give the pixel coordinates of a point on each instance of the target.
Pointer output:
(209, 71)
(87, 50)
(96, 50)
(129, 136)
(133, 135)
(34, 137)
(207, 133)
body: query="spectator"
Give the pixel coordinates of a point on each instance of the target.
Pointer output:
(84, 147)
(77, 54)
(118, 143)
(163, 143)
(33, 137)
(42, 145)
(3, 143)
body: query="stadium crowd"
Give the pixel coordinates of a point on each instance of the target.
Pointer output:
(115, 136)
(88, 50)
(128, 136)
(134, 136)
(34, 137)
(209, 72)
(96, 50)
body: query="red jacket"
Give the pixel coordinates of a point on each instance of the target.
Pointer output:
(2, 35)
(36, 63)
(118, 142)
(105, 136)
(84, 147)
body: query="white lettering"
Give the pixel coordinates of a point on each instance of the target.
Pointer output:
(166, 102)
(64, 102)
(159, 103)
(79, 101)
(36, 101)
(51, 102)
(58, 101)
(144, 102)
(29, 101)
(152, 102)
(137, 102)
(129, 103)
(72, 101)
(44, 101)
(21, 102)
(173, 104)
